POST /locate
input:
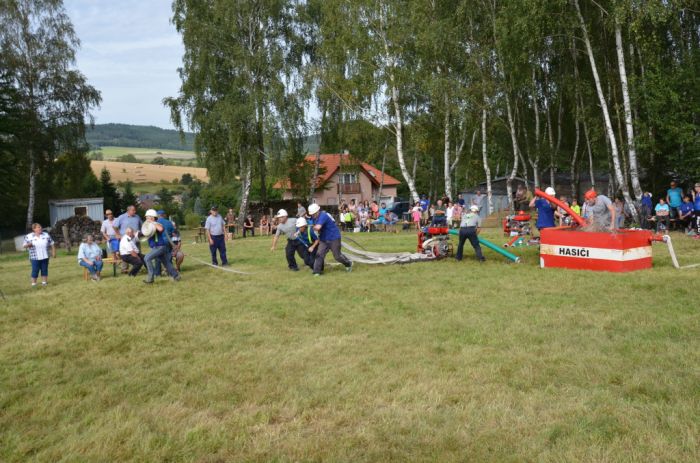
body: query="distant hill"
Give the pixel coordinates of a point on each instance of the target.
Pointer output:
(147, 136)
(137, 136)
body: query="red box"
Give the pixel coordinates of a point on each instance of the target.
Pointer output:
(622, 251)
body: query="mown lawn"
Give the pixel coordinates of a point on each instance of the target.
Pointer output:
(440, 361)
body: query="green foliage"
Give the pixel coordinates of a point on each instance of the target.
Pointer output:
(158, 160)
(136, 136)
(186, 179)
(193, 220)
(112, 200)
(37, 54)
(127, 158)
(128, 197)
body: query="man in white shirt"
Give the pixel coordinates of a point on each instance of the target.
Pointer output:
(129, 252)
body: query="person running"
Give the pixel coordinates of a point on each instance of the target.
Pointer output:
(38, 243)
(159, 249)
(215, 235)
(600, 210)
(329, 236)
(469, 229)
(288, 227)
(308, 238)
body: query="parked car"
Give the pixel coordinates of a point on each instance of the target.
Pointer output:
(401, 209)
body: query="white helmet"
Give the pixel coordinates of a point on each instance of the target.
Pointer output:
(301, 222)
(550, 191)
(314, 208)
(151, 213)
(474, 208)
(281, 213)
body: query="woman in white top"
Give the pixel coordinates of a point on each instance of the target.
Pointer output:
(90, 257)
(38, 243)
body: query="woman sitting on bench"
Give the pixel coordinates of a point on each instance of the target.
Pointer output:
(90, 257)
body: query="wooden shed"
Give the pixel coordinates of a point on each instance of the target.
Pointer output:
(60, 209)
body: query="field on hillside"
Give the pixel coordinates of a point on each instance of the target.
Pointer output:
(144, 154)
(439, 361)
(146, 173)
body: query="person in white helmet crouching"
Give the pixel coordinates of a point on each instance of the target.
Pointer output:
(158, 241)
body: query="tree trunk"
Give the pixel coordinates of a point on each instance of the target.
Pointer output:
(487, 170)
(399, 141)
(446, 169)
(536, 159)
(606, 114)
(631, 151)
(381, 180)
(574, 158)
(262, 167)
(246, 176)
(32, 190)
(314, 179)
(516, 156)
(591, 170)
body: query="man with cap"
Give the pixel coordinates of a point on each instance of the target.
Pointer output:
(307, 237)
(215, 229)
(158, 241)
(600, 210)
(469, 229)
(110, 233)
(329, 236)
(288, 227)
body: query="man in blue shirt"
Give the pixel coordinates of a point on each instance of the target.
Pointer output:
(424, 204)
(329, 237)
(168, 229)
(159, 250)
(647, 208)
(674, 199)
(545, 210)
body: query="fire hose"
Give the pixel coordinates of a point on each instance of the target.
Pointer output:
(667, 239)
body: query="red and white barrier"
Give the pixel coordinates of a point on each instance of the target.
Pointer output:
(622, 251)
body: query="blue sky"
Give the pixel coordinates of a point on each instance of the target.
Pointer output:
(130, 52)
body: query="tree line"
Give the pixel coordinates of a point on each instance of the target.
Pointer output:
(446, 92)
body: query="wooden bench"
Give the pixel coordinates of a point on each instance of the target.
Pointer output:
(107, 260)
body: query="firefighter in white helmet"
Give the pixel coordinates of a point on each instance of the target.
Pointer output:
(329, 236)
(288, 226)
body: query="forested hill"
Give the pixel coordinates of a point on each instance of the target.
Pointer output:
(137, 136)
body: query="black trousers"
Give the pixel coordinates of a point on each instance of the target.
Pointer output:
(469, 233)
(135, 262)
(295, 247)
(323, 248)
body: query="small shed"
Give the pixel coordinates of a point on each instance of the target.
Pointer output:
(60, 209)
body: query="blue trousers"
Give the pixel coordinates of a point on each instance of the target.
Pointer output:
(220, 245)
(95, 267)
(162, 255)
(39, 266)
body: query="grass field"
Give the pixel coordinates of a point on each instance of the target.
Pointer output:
(146, 173)
(439, 361)
(111, 153)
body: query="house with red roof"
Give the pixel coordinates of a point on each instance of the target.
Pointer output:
(342, 178)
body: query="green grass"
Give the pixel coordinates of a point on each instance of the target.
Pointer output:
(439, 361)
(111, 153)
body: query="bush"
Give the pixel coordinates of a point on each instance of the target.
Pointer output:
(193, 220)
